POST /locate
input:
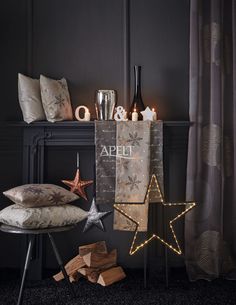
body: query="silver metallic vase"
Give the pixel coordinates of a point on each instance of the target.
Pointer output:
(105, 102)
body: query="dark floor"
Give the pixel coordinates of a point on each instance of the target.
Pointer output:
(128, 291)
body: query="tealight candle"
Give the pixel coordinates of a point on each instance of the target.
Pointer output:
(135, 115)
(86, 114)
(154, 114)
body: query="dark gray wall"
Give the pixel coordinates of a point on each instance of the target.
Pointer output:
(88, 42)
(159, 43)
(13, 58)
(13, 51)
(83, 40)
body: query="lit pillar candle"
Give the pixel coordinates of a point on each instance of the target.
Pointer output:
(154, 114)
(135, 115)
(87, 115)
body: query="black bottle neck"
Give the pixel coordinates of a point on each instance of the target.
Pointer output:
(137, 79)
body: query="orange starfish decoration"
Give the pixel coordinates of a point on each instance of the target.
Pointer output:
(77, 185)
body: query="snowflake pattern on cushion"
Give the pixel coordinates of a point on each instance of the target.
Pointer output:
(38, 195)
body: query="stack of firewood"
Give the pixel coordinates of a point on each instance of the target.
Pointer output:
(95, 264)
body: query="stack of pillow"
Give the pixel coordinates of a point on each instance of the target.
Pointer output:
(41, 206)
(44, 99)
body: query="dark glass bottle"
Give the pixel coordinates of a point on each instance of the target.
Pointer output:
(137, 99)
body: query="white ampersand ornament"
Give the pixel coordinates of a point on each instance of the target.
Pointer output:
(121, 114)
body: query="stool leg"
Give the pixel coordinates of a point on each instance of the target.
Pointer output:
(27, 262)
(59, 260)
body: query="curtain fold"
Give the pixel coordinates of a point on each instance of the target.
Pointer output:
(210, 229)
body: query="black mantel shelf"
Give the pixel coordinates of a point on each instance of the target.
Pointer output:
(79, 124)
(77, 133)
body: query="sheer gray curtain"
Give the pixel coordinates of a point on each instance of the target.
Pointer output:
(210, 230)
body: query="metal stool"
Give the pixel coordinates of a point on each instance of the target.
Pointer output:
(31, 234)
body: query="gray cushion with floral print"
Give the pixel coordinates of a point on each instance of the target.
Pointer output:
(56, 99)
(30, 99)
(44, 217)
(38, 195)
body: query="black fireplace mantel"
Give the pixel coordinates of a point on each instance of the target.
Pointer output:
(39, 136)
(82, 124)
(82, 133)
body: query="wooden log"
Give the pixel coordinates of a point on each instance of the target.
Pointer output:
(72, 266)
(99, 247)
(74, 277)
(111, 276)
(93, 277)
(91, 274)
(101, 260)
(85, 271)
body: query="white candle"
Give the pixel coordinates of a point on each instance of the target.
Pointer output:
(134, 115)
(154, 114)
(87, 115)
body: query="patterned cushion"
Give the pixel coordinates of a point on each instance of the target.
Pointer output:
(30, 99)
(44, 217)
(38, 195)
(56, 99)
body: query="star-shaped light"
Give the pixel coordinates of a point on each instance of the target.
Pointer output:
(175, 248)
(94, 217)
(147, 114)
(137, 211)
(77, 185)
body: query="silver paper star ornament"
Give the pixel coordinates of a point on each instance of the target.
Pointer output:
(147, 114)
(94, 217)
